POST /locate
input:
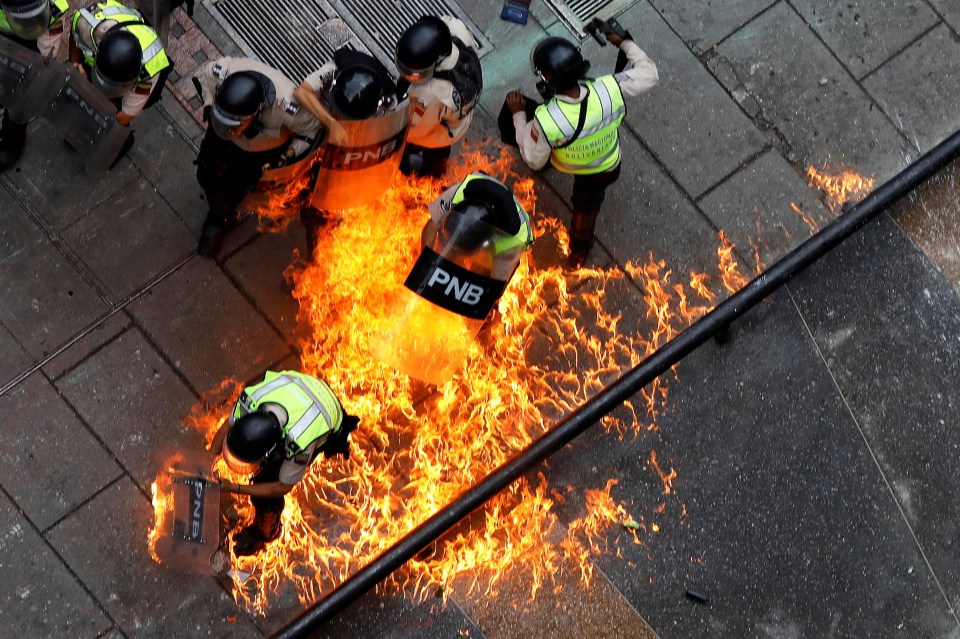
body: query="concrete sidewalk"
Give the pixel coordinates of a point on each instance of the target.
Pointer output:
(816, 452)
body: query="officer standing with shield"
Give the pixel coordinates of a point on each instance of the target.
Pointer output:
(121, 54)
(277, 428)
(37, 25)
(352, 87)
(254, 123)
(438, 57)
(576, 129)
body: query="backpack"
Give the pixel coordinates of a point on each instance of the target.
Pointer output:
(466, 76)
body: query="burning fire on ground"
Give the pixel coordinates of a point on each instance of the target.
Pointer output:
(554, 344)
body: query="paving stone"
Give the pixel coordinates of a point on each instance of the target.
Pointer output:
(46, 299)
(950, 10)
(777, 510)
(134, 402)
(129, 239)
(102, 333)
(51, 179)
(925, 116)
(209, 331)
(888, 327)
(816, 106)
(146, 599)
(268, 287)
(931, 216)
(38, 596)
(704, 24)
(865, 33)
(166, 160)
(49, 462)
(13, 359)
(688, 121)
(754, 210)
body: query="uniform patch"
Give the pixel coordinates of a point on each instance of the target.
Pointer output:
(143, 88)
(534, 134)
(457, 99)
(302, 458)
(290, 107)
(218, 71)
(419, 107)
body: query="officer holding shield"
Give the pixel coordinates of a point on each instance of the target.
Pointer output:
(121, 54)
(254, 122)
(37, 25)
(277, 428)
(354, 86)
(438, 57)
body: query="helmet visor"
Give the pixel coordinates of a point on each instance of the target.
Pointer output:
(414, 75)
(110, 88)
(28, 22)
(238, 465)
(228, 126)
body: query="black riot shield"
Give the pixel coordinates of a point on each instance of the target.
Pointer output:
(24, 85)
(86, 118)
(357, 168)
(451, 288)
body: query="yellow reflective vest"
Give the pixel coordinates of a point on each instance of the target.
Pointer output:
(154, 59)
(597, 147)
(313, 411)
(57, 9)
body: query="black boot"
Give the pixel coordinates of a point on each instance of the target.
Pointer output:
(13, 137)
(254, 538)
(211, 239)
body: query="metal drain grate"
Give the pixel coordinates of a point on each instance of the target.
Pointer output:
(299, 37)
(576, 13)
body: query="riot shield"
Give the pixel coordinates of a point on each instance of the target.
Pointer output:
(446, 297)
(356, 170)
(86, 118)
(24, 86)
(282, 189)
(187, 510)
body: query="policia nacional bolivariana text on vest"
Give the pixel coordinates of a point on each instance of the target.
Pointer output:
(154, 59)
(313, 411)
(584, 136)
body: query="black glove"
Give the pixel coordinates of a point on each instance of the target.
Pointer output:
(337, 443)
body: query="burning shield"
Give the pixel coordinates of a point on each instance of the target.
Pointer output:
(454, 284)
(23, 84)
(86, 118)
(187, 508)
(358, 168)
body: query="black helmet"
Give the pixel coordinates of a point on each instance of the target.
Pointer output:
(27, 19)
(422, 46)
(357, 92)
(250, 439)
(237, 102)
(498, 200)
(467, 227)
(559, 63)
(117, 64)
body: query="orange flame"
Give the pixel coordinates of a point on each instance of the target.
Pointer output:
(418, 447)
(840, 187)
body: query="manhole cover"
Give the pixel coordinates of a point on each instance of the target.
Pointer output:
(299, 37)
(576, 13)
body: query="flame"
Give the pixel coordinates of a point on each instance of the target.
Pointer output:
(420, 446)
(811, 223)
(840, 187)
(733, 279)
(666, 478)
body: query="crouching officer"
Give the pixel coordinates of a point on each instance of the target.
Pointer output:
(576, 129)
(121, 54)
(438, 57)
(37, 25)
(277, 429)
(479, 221)
(253, 122)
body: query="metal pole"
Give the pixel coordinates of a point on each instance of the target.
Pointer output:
(621, 390)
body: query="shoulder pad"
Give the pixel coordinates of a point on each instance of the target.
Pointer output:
(290, 107)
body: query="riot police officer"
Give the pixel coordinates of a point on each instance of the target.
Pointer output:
(464, 215)
(277, 428)
(576, 129)
(121, 54)
(438, 57)
(37, 25)
(353, 86)
(253, 122)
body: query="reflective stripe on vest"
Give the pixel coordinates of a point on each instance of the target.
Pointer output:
(57, 9)
(305, 425)
(154, 58)
(501, 244)
(597, 147)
